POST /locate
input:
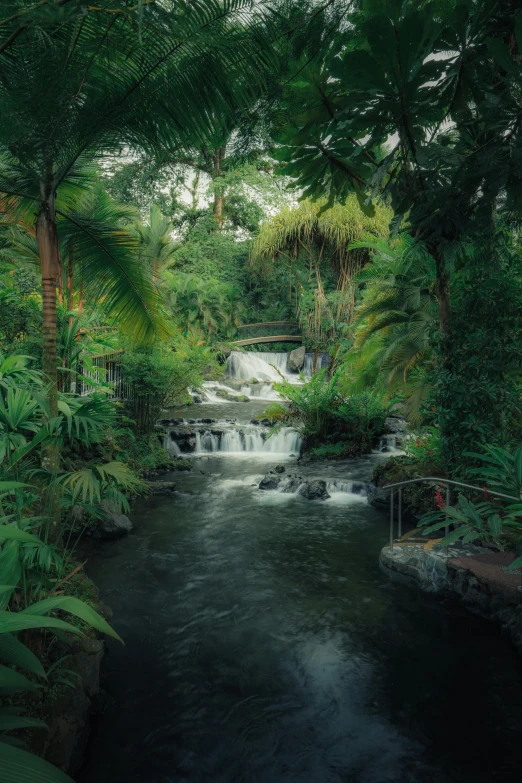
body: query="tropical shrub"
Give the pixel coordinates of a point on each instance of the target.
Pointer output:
(324, 415)
(493, 520)
(159, 377)
(204, 307)
(424, 448)
(31, 572)
(395, 321)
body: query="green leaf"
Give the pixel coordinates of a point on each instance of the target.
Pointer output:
(11, 722)
(19, 766)
(14, 652)
(73, 606)
(13, 533)
(501, 54)
(8, 487)
(13, 622)
(495, 525)
(459, 532)
(10, 569)
(11, 680)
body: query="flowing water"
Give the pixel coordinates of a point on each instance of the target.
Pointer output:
(264, 645)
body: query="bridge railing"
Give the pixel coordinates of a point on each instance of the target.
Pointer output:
(269, 331)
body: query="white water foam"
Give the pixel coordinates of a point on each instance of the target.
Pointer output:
(244, 365)
(247, 440)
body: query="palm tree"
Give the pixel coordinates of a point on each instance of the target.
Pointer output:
(396, 320)
(101, 256)
(156, 244)
(154, 77)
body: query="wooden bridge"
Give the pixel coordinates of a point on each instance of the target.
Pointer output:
(272, 338)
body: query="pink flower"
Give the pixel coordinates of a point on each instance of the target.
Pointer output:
(439, 500)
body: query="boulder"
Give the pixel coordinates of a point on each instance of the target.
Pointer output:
(290, 484)
(378, 497)
(279, 469)
(265, 422)
(296, 358)
(113, 524)
(269, 482)
(396, 424)
(314, 490)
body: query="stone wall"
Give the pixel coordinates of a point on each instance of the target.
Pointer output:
(470, 574)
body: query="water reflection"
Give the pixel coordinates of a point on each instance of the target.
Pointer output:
(264, 645)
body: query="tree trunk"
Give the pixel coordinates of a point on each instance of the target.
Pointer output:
(219, 155)
(70, 297)
(47, 239)
(218, 210)
(443, 295)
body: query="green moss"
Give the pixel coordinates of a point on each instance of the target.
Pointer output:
(182, 464)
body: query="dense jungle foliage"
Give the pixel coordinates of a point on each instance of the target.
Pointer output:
(354, 167)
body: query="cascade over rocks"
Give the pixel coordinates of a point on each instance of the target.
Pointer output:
(291, 483)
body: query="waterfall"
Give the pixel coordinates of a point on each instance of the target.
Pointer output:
(171, 446)
(206, 442)
(351, 487)
(247, 365)
(249, 441)
(323, 360)
(387, 443)
(229, 438)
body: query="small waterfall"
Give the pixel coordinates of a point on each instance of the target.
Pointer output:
(206, 442)
(261, 391)
(323, 361)
(171, 446)
(247, 365)
(229, 438)
(351, 487)
(387, 443)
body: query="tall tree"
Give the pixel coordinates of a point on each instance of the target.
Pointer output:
(156, 75)
(435, 84)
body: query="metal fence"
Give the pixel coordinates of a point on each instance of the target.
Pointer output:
(106, 371)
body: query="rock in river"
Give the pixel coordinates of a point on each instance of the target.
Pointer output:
(314, 490)
(113, 524)
(296, 358)
(269, 482)
(162, 487)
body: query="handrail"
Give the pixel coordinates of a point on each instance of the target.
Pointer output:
(440, 480)
(269, 323)
(454, 483)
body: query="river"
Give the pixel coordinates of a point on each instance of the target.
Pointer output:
(264, 645)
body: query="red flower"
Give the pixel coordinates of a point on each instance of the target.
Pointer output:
(439, 500)
(487, 495)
